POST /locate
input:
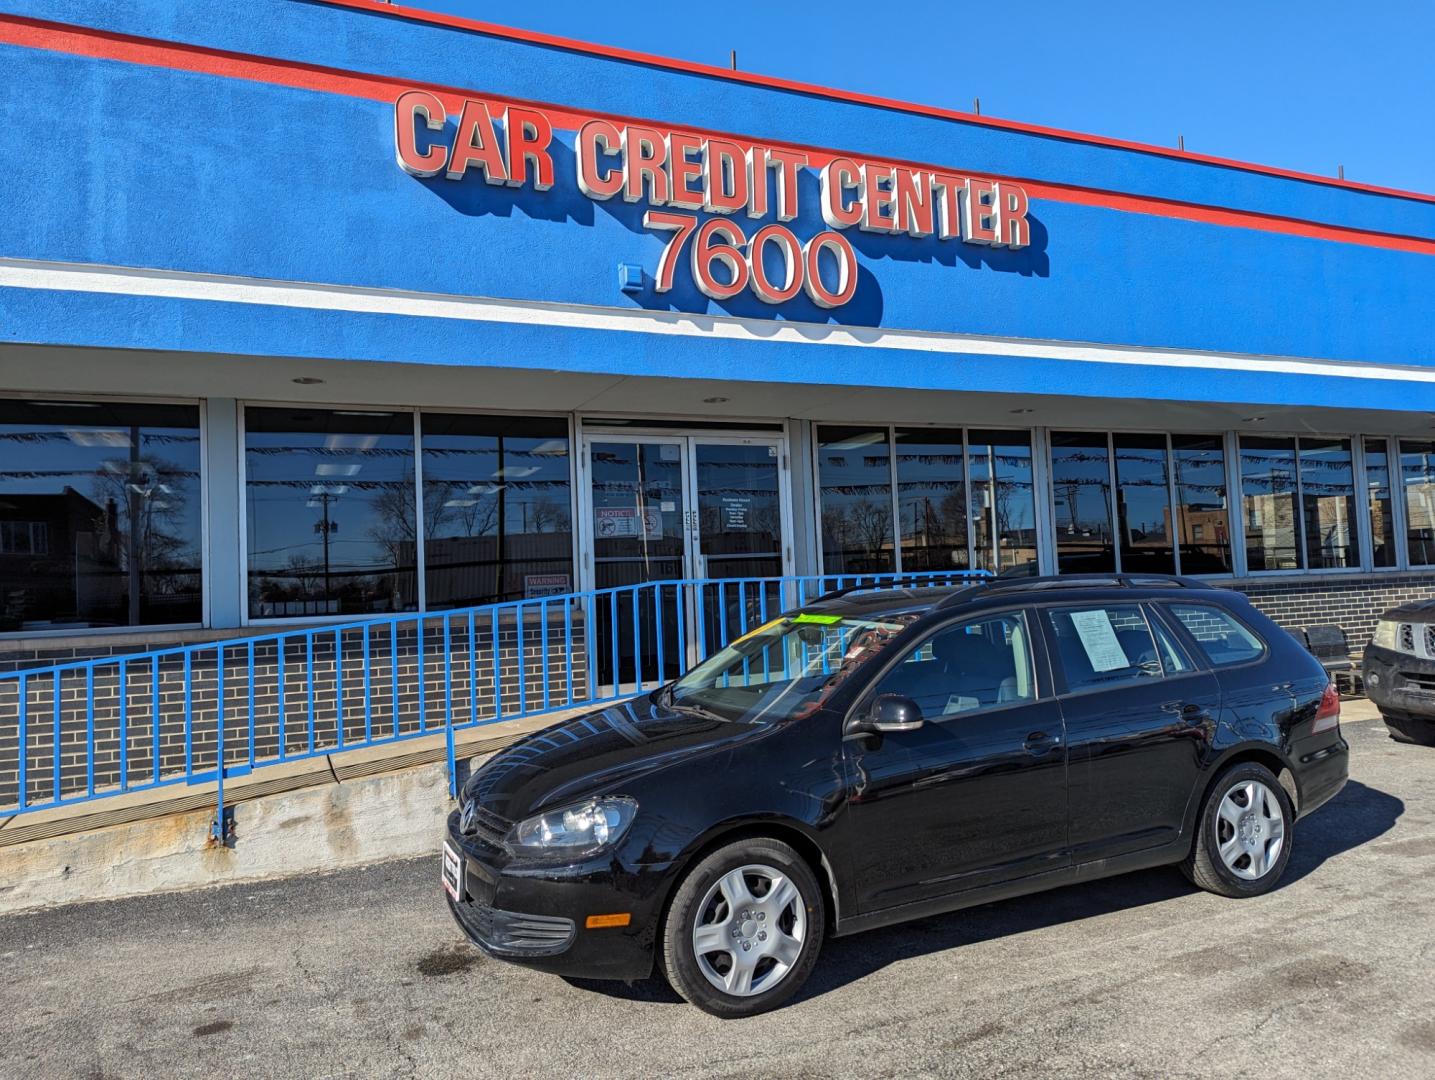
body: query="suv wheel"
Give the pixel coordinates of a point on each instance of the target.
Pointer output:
(744, 928)
(1243, 837)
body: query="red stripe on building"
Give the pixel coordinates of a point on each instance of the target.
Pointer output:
(108, 45)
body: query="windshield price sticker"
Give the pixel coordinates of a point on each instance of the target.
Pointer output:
(814, 619)
(679, 176)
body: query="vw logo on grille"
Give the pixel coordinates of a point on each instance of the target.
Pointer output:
(467, 820)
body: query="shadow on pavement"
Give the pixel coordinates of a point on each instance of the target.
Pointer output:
(1356, 816)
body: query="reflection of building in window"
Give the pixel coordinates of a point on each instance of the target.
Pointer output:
(99, 515)
(1270, 531)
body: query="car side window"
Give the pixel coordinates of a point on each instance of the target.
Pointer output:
(1173, 657)
(974, 665)
(1223, 638)
(1104, 645)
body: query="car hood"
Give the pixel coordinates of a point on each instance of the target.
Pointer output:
(1415, 611)
(595, 754)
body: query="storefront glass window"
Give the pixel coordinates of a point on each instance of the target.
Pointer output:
(1203, 523)
(331, 512)
(1327, 479)
(1003, 504)
(1081, 484)
(1143, 504)
(1377, 493)
(854, 472)
(498, 521)
(931, 501)
(1268, 487)
(1417, 477)
(100, 515)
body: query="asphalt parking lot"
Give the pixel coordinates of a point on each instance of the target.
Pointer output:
(361, 973)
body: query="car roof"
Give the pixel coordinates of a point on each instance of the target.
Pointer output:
(859, 601)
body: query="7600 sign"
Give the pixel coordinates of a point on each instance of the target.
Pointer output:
(678, 173)
(719, 241)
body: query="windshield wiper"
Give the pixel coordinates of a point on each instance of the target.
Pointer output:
(696, 710)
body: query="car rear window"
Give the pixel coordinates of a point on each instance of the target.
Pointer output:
(1222, 637)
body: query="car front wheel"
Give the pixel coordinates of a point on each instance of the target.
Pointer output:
(1243, 839)
(744, 928)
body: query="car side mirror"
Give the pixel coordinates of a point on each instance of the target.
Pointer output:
(892, 712)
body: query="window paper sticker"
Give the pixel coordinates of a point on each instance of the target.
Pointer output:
(1099, 640)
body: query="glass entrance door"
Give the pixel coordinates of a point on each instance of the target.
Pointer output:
(738, 489)
(679, 507)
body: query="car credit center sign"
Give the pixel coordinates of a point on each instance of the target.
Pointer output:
(676, 174)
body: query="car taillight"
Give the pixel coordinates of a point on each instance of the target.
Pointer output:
(1328, 715)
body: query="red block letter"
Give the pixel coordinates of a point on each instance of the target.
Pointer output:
(527, 134)
(412, 106)
(839, 175)
(979, 212)
(476, 144)
(594, 138)
(1012, 227)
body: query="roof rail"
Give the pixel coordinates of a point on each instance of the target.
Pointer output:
(931, 579)
(1082, 581)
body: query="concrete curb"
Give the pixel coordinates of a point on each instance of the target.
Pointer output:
(327, 813)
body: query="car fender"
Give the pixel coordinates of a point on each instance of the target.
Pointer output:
(780, 826)
(1221, 760)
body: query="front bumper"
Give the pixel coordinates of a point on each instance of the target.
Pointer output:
(536, 915)
(1401, 685)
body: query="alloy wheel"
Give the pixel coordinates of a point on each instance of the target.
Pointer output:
(749, 930)
(1250, 829)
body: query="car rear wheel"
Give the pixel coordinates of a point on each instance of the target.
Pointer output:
(1243, 839)
(744, 928)
(1420, 732)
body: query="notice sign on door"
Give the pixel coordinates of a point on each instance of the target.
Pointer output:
(616, 522)
(736, 513)
(1098, 638)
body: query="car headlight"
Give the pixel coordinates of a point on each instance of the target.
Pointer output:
(1385, 635)
(583, 827)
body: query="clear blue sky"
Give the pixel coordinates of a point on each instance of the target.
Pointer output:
(1301, 84)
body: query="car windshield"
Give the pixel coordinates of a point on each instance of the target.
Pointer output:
(785, 669)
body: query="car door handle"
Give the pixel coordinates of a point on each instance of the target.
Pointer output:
(1187, 710)
(1039, 742)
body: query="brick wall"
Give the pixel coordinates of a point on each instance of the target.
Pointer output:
(1353, 602)
(313, 695)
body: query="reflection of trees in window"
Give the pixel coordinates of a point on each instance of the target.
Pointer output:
(1379, 502)
(496, 506)
(1299, 497)
(1003, 500)
(99, 514)
(1203, 530)
(855, 477)
(1081, 484)
(330, 496)
(931, 498)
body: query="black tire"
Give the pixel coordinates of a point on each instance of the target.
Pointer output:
(1419, 732)
(677, 953)
(1205, 866)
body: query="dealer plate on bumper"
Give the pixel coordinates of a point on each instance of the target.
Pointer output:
(452, 872)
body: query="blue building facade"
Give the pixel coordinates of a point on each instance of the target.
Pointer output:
(313, 309)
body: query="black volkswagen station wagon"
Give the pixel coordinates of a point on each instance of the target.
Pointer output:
(886, 755)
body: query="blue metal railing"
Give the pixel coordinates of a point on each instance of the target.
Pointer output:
(210, 712)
